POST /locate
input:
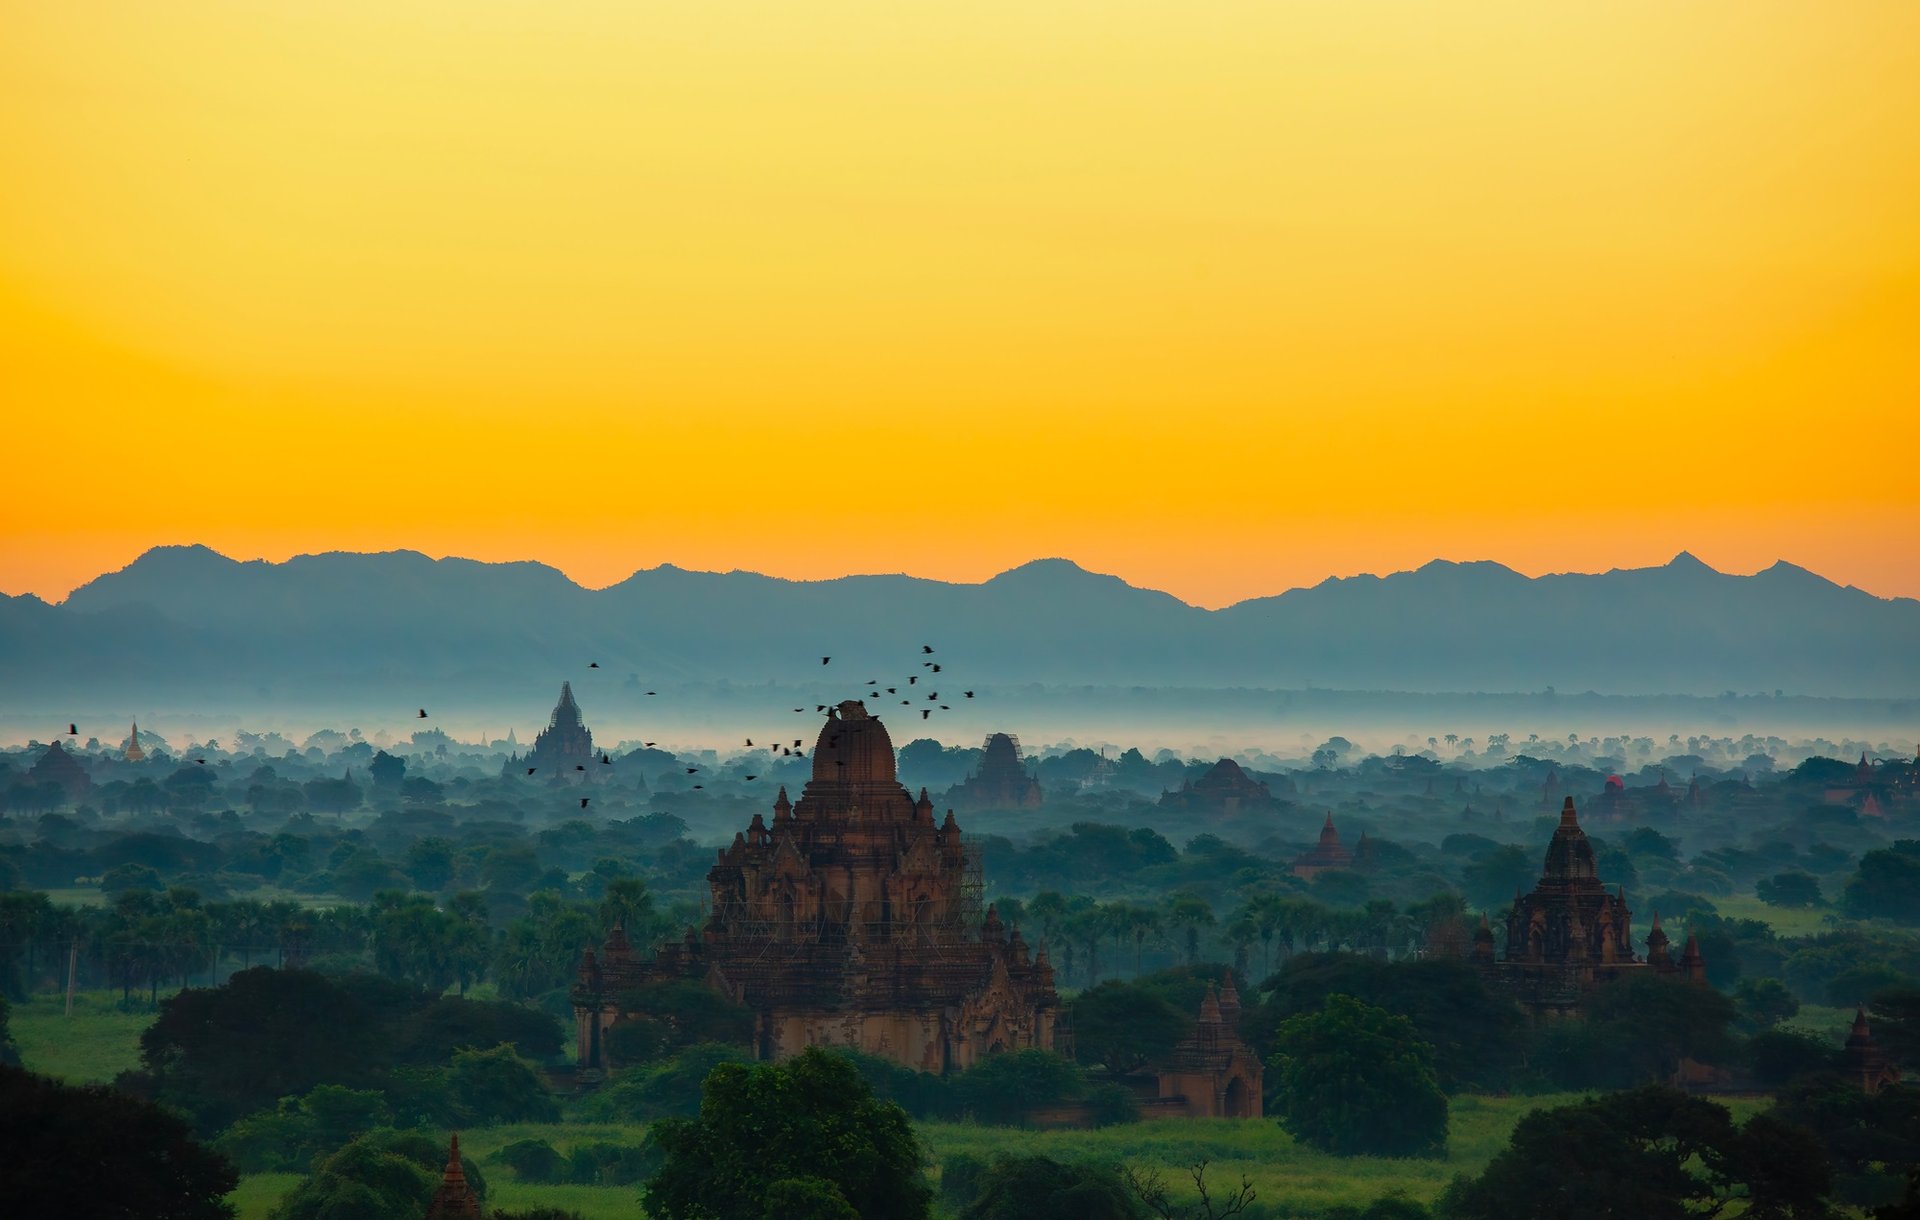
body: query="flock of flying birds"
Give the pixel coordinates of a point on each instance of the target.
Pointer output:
(784, 751)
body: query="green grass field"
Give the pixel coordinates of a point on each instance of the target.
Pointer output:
(93, 1046)
(1287, 1177)
(1785, 921)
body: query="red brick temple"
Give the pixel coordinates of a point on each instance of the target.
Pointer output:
(852, 919)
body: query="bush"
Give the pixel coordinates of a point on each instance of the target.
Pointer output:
(604, 1164)
(1352, 1079)
(533, 1161)
(1778, 1057)
(1004, 1088)
(960, 1176)
(664, 1090)
(1794, 889)
(1040, 1188)
(498, 1086)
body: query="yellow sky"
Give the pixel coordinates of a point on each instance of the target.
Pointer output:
(1222, 297)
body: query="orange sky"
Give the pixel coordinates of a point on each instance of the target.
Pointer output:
(1221, 297)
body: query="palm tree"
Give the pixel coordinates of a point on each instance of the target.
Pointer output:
(1190, 913)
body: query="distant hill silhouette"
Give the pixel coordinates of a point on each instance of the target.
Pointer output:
(185, 619)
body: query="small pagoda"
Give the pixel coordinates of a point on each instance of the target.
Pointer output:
(1328, 855)
(454, 1199)
(1002, 782)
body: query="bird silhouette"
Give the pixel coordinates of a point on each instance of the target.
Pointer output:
(531, 770)
(786, 753)
(796, 743)
(753, 777)
(691, 770)
(819, 707)
(593, 665)
(892, 691)
(201, 761)
(925, 712)
(927, 648)
(647, 744)
(936, 669)
(945, 708)
(912, 679)
(799, 709)
(967, 693)
(73, 730)
(578, 767)
(423, 714)
(650, 692)
(749, 741)
(906, 703)
(699, 786)
(605, 761)
(824, 660)
(584, 800)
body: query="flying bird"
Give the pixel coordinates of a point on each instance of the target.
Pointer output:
(531, 770)
(892, 691)
(824, 660)
(927, 648)
(925, 712)
(799, 709)
(819, 707)
(593, 665)
(945, 708)
(647, 744)
(73, 730)
(697, 786)
(584, 800)
(967, 693)
(911, 679)
(749, 741)
(201, 761)
(753, 777)
(578, 767)
(650, 692)
(423, 714)
(936, 669)
(691, 770)
(796, 743)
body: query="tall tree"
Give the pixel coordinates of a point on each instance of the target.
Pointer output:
(1353, 1079)
(809, 1117)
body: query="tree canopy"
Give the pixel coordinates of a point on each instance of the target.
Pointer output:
(1648, 1154)
(810, 1117)
(94, 1151)
(1353, 1079)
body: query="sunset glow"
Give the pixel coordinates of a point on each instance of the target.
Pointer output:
(1220, 297)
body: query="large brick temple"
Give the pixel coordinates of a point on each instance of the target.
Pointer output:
(1570, 934)
(851, 920)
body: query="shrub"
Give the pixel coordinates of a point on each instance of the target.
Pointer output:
(533, 1161)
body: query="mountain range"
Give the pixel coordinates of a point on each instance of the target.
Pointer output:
(193, 624)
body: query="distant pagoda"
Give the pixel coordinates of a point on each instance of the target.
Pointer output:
(564, 748)
(1328, 855)
(1002, 782)
(1224, 789)
(58, 767)
(133, 752)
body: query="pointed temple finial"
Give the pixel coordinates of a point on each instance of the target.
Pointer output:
(1568, 816)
